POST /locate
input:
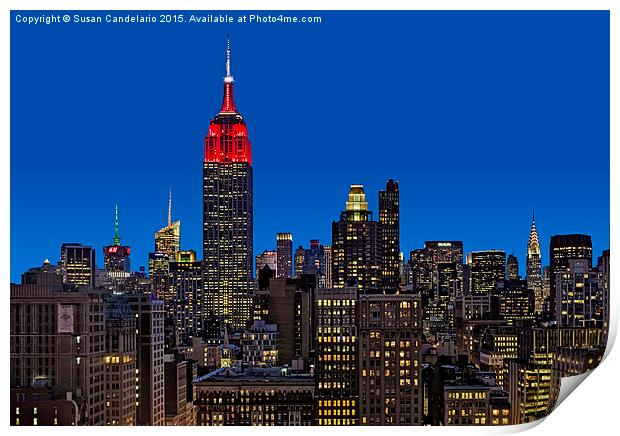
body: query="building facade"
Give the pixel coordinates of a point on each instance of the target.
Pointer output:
(336, 367)
(390, 366)
(149, 325)
(120, 362)
(77, 264)
(57, 340)
(389, 218)
(486, 269)
(254, 397)
(228, 213)
(356, 250)
(186, 287)
(562, 249)
(534, 269)
(284, 248)
(168, 238)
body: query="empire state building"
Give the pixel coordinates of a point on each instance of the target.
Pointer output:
(228, 213)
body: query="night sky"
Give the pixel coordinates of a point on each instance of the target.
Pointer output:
(481, 117)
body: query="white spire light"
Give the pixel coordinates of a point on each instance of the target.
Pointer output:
(228, 77)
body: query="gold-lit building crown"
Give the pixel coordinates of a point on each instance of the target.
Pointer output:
(357, 199)
(533, 245)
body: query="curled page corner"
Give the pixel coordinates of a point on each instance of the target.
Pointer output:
(520, 428)
(568, 385)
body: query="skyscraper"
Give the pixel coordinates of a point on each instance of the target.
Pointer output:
(389, 218)
(562, 249)
(421, 263)
(186, 292)
(228, 212)
(314, 262)
(603, 285)
(356, 250)
(534, 269)
(77, 264)
(120, 362)
(443, 252)
(168, 239)
(487, 268)
(336, 370)
(298, 261)
(328, 266)
(267, 257)
(149, 327)
(159, 271)
(512, 267)
(284, 248)
(116, 256)
(390, 366)
(577, 295)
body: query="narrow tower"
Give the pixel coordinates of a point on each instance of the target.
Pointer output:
(389, 218)
(228, 212)
(116, 256)
(168, 238)
(534, 268)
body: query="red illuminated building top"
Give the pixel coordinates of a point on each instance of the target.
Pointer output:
(227, 140)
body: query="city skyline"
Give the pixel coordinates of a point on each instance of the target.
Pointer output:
(451, 208)
(356, 329)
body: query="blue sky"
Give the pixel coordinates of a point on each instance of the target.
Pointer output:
(480, 116)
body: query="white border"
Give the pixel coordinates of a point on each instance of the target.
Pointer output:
(592, 410)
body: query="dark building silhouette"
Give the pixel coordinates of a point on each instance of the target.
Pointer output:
(389, 218)
(512, 267)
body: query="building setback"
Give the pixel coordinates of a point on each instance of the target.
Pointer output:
(534, 269)
(356, 249)
(168, 239)
(228, 213)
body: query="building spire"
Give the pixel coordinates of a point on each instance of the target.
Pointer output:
(170, 208)
(228, 76)
(533, 244)
(116, 240)
(228, 104)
